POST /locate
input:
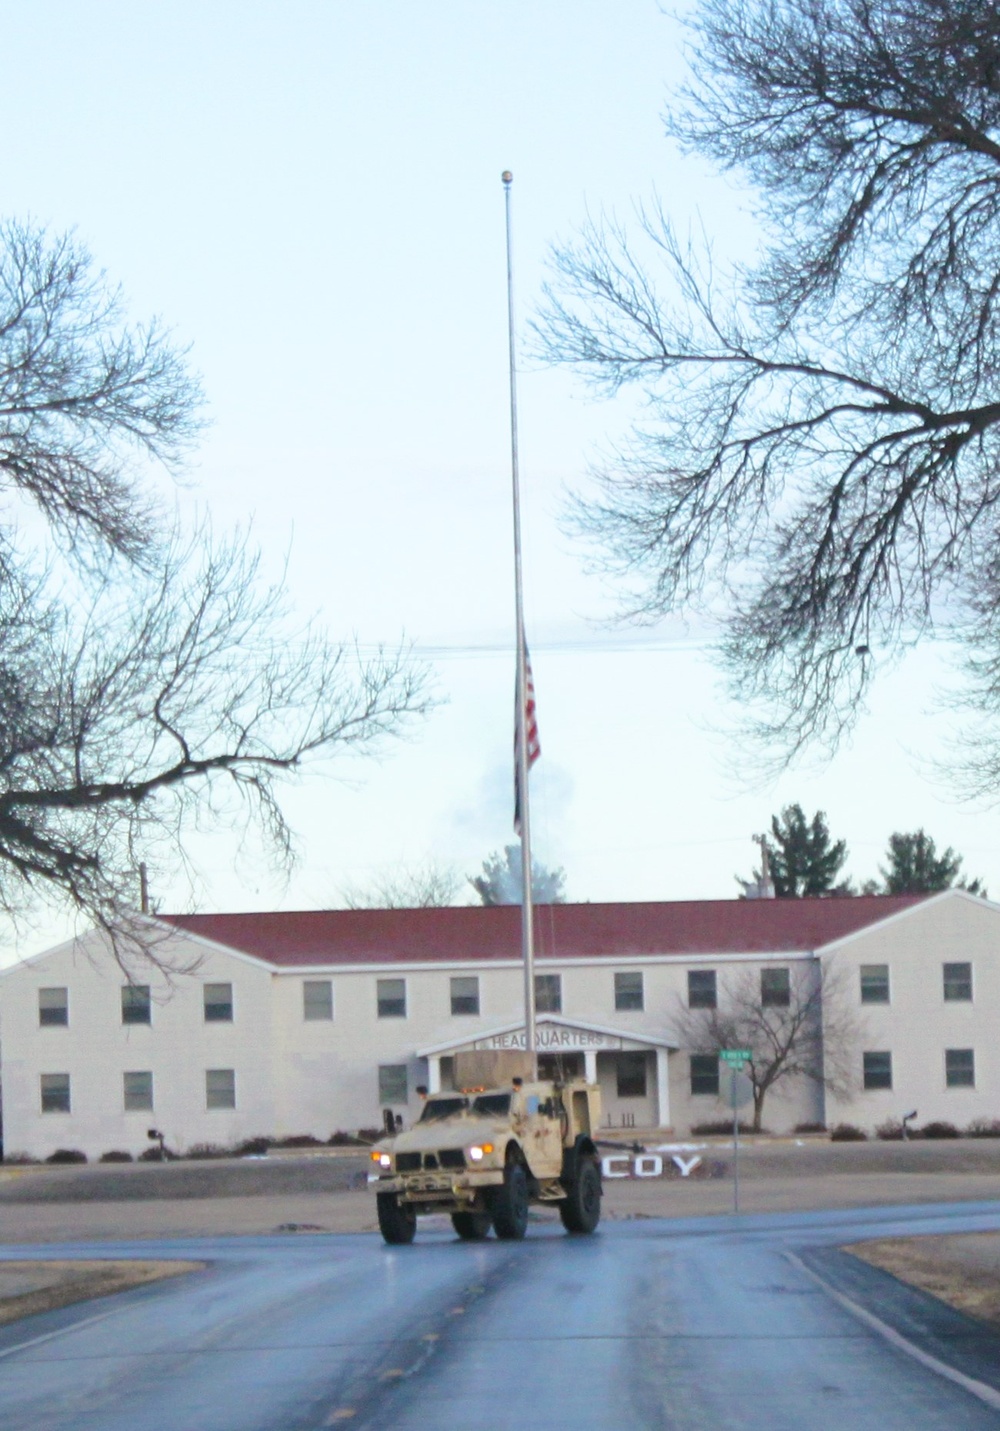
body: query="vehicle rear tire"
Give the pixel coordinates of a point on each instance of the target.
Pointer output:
(580, 1209)
(472, 1226)
(509, 1203)
(397, 1224)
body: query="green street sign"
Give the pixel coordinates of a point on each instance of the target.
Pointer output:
(736, 1057)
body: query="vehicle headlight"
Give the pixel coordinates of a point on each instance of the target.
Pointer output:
(384, 1160)
(479, 1151)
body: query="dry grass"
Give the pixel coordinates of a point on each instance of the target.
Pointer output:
(962, 1269)
(30, 1287)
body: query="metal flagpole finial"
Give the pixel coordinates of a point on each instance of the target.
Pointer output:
(508, 178)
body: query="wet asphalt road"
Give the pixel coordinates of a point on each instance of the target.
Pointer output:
(695, 1324)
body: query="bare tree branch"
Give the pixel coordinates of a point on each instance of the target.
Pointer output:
(428, 886)
(175, 697)
(85, 399)
(148, 684)
(822, 451)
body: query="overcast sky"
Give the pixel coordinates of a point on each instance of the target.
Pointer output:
(309, 193)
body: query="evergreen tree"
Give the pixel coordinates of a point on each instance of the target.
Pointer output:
(915, 867)
(803, 858)
(500, 880)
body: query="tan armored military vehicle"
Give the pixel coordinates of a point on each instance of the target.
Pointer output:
(484, 1155)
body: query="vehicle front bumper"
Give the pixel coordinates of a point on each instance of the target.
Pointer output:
(438, 1186)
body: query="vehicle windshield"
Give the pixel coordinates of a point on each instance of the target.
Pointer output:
(491, 1105)
(437, 1108)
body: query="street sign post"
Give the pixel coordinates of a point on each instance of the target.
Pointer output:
(735, 1060)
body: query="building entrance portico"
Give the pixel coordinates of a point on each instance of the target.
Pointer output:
(631, 1070)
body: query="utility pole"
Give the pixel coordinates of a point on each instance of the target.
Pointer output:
(766, 882)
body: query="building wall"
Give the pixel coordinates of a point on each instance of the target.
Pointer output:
(328, 1070)
(295, 1075)
(918, 1025)
(96, 1049)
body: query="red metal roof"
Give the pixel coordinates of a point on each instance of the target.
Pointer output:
(475, 933)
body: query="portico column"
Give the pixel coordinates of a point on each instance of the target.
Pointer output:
(434, 1075)
(663, 1087)
(590, 1064)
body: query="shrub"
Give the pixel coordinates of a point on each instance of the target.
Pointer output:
(720, 1127)
(810, 1128)
(115, 1156)
(847, 1133)
(67, 1155)
(298, 1140)
(253, 1147)
(983, 1128)
(154, 1155)
(938, 1130)
(891, 1131)
(203, 1151)
(347, 1140)
(21, 1160)
(370, 1135)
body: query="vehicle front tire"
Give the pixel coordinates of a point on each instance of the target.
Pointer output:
(509, 1203)
(397, 1224)
(580, 1209)
(472, 1226)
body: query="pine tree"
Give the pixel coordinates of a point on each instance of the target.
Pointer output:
(915, 867)
(500, 880)
(804, 861)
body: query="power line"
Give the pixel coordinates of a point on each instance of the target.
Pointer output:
(487, 650)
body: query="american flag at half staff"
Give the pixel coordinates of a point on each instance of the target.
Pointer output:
(531, 735)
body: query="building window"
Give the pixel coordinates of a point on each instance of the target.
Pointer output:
(391, 998)
(629, 994)
(465, 994)
(138, 1092)
(220, 1088)
(705, 1074)
(877, 1070)
(548, 993)
(775, 988)
(631, 1070)
(960, 1067)
(219, 1006)
(53, 1007)
(392, 1084)
(874, 983)
(957, 983)
(701, 989)
(55, 1092)
(137, 1007)
(317, 999)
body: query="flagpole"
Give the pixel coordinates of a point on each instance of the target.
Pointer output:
(527, 908)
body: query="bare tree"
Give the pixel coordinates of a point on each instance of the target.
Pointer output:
(805, 1029)
(428, 886)
(146, 682)
(821, 449)
(180, 696)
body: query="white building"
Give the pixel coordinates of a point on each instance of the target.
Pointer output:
(313, 1022)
